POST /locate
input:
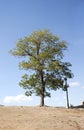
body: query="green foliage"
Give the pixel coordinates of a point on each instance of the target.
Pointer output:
(43, 53)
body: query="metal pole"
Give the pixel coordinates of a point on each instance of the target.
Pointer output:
(67, 93)
(67, 98)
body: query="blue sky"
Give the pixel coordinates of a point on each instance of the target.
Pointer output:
(18, 18)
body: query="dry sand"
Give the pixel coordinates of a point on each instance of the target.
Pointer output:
(37, 118)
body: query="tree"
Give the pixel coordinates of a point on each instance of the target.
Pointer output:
(43, 54)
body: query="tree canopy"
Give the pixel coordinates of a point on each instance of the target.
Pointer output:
(43, 53)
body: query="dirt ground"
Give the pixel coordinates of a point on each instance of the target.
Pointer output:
(37, 118)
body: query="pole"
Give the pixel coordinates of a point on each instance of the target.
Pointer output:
(66, 89)
(67, 98)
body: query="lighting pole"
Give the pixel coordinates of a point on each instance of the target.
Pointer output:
(66, 89)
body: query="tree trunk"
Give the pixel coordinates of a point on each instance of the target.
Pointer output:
(42, 94)
(42, 90)
(42, 101)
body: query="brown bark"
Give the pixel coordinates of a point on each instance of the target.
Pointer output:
(42, 101)
(42, 90)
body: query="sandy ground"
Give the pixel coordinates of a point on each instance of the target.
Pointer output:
(37, 118)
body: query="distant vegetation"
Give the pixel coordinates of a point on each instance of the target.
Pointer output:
(43, 53)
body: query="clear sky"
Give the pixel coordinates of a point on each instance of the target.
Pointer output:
(18, 18)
